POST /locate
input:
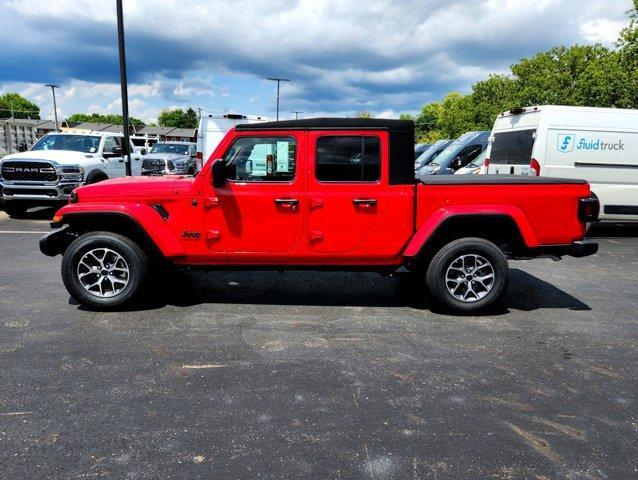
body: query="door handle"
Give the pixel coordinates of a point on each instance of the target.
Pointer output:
(364, 202)
(287, 202)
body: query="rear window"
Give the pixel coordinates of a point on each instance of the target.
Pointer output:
(512, 148)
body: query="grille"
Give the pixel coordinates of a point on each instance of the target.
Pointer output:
(9, 192)
(28, 171)
(153, 166)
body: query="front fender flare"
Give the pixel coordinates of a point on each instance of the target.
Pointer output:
(143, 217)
(439, 217)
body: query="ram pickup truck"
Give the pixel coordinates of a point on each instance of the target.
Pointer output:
(57, 164)
(318, 194)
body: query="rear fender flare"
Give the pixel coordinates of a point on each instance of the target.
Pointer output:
(440, 217)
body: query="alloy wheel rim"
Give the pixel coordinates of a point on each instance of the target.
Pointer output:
(103, 272)
(469, 278)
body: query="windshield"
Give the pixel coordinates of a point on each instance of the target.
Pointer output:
(452, 149)
(430, 153)
(74, 143)
(176, 148)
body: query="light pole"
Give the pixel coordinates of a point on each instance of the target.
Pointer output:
(55, 106)
(126, 147)
(297, 112)
(278, 80)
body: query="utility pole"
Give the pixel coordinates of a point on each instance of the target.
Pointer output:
(278, 80)
(296, 112)
(126, 147)
(55, 106)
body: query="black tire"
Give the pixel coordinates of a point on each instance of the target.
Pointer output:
(135, 260)
(15, 209)
(487, 291)
(96, 177)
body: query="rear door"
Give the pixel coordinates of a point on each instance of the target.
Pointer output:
(347, 190)
(511, 151)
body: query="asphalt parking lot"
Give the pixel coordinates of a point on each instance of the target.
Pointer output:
(320, 375)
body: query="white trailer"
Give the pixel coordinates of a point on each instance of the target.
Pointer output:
(212, 128)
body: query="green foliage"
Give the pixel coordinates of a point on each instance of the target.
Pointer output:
(103, 118)
(363, 114)
(12, 103)
(581, 75)
(178, 118)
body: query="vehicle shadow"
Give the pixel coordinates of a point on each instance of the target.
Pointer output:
(188, 288)
(39, 213)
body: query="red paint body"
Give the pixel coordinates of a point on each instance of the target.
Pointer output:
(241, 224)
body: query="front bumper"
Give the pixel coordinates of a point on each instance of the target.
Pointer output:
(37, 191)
(55, 242)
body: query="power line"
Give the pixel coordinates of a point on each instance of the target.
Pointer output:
(297, 112)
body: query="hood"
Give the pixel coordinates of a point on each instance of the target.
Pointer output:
(63, 157)
(135, 187)
(166, 156)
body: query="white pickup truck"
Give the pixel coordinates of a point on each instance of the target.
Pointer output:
(57, 164)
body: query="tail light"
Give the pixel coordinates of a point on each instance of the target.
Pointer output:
(535, 168)
(588, 209)
(199, 156)
(486, 164)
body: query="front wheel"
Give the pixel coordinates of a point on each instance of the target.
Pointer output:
(467, 275)
(104, 270)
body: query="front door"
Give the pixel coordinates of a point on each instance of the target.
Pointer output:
(347, 190)
(258, 214)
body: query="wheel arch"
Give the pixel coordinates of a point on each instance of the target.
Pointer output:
(500, 228)
(98, 174)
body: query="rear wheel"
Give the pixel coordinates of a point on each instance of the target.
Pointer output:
(104, 270)
(467, 275)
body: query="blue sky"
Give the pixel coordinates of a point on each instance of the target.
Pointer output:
(343, 56)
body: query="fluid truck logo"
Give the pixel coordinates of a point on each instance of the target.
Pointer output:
(566, 142)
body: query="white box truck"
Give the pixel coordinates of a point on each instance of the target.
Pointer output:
(213, 128)
(599, 145)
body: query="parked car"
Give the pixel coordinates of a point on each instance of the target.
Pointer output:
(419, 148)
(597, 144)
(329, 197)
(57, 164)
(475, 167)
(457, 154)
(144, 143)
(211, 131)
(430, 154)
(170, 158)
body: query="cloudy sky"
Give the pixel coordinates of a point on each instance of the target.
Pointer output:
(384, 56)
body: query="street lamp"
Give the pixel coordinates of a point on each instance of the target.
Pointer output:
(278, 80)
(126, 147)
(297, 112)
(55, 106)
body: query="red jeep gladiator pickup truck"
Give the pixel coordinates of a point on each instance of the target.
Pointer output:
(316, 194)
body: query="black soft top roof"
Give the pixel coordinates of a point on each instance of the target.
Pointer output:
(333, 123)
(401, 138)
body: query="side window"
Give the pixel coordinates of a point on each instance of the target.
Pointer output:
(109, 144)
(348, 159)
(254, 159)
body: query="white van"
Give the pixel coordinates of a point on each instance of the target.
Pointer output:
(599, 145)
(213, 128)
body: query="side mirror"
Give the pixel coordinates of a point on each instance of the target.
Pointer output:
(143, 151)
(219, 173)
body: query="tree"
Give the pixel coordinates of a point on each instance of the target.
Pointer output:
(628, 56)
(363, 114)
(103, 118)
(178, 118)
(14, 105)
